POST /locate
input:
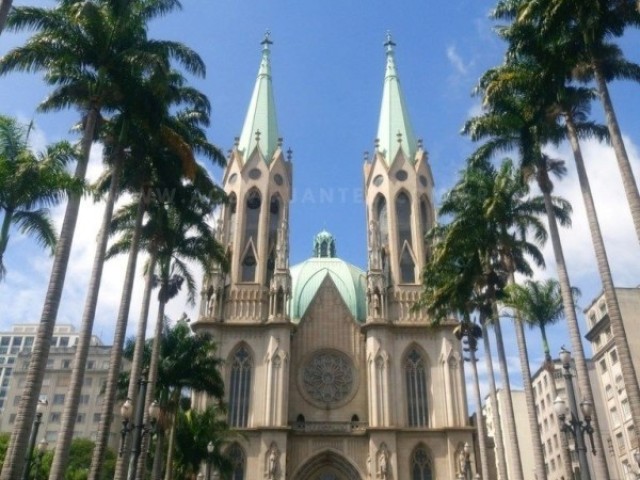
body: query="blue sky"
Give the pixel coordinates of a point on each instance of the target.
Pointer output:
(328, 65)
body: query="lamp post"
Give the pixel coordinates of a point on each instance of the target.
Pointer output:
(573, 424)
(40, 408)
(135, 426)
(210, 448)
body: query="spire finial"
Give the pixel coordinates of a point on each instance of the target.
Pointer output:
(267, 40)
(389, 44)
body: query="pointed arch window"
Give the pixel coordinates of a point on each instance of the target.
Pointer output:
(403, 219)
(231, 216)
(238, 460)
(382, 218)
(425, 220)
(416, 389)
(251, 223)
(240, 387)
(421, 465)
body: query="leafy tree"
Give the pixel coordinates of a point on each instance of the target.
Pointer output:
(29, 184)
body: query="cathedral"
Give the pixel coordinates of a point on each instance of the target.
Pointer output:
(330, 374)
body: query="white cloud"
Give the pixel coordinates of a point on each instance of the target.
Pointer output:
(456, 60)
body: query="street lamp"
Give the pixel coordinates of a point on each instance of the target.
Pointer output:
(40, 408)
(573, 424)
(210, 448)
(135, 424)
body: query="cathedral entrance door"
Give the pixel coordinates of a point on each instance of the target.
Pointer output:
(328, 466)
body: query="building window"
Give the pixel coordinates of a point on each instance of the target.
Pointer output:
(615, 417)
(421, 465)
(614, 357)
(626, 411)
(84, 399)
(236, 455)
(603, 365)
(16, 400)
(383, 221)
(609, 391)
(12, 418)
(97, 417)
(80, 418)
(416, 386)
(91, 365)
(403, 219)
(54, 417)
(240, 387)
(58, 399)
(620, 441)
(252, 220)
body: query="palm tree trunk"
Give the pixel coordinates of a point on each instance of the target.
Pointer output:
(536, 439)
(613, 307)
(600, 466)
(4, 238)
(508, 404)
(168, 469)
(72, 401)
(14, 459)
(482, 433)
(136, 364)
(156, 471)
(151, 389)
(5, 7)
(115, 359)
(501, 458)
(628, 180)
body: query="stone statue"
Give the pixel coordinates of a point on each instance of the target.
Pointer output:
(462, 462)
(383, 464)
(368, 466)
(272, 462)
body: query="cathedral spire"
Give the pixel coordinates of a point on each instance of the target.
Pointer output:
(394, 127)
(260, 125)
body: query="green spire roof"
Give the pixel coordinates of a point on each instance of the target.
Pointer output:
(260, 125)
(394, 127)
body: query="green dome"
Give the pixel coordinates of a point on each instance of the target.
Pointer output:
(306, 278)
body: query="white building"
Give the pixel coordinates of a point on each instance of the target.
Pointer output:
(20, 339)
(611, 386)
(523, 431)
(329, 372)
(560, 456)
(55, 387)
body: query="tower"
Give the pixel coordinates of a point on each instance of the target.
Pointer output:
(245, 308)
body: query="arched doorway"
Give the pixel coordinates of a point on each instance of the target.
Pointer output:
(328, 465)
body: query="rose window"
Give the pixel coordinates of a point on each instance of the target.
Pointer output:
(328, 377)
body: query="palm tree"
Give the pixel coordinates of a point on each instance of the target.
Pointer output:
(29, 183)
(516, 119)
(89, 51)
(540, 305)
(571, 105)
(5, 6)
(167, 161)
(587, 48)
(186, 362)
(195, 431)
(141, 113)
